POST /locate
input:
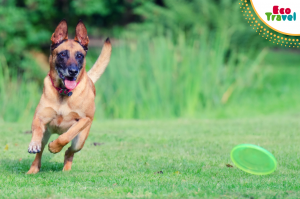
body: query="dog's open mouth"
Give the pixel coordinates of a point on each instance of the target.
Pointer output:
(69, 82)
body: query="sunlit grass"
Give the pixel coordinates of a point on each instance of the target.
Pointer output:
(173, 158)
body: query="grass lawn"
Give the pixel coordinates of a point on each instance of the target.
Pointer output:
(174, 158)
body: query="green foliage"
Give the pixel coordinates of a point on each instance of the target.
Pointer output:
(194, 18)
(18, 97)
(27, 25)
(174, 59)
(91, 7)
(153, 78)
(33, 21)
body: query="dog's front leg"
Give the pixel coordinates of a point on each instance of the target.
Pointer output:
(57, 145)
(39, 138)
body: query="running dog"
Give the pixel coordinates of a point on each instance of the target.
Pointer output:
(67, 104)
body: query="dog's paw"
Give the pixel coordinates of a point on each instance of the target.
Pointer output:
(33, 170)
(34, 147)
(54, 147)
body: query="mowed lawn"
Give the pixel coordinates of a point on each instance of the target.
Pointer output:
(157, 159)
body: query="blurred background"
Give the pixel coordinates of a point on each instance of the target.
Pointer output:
(170, 59)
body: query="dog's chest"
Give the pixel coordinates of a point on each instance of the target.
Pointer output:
(65, 117)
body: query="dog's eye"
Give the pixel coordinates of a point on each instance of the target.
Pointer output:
(63, 54)
(79, 56)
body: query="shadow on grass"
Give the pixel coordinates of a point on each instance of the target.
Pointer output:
(21, 166)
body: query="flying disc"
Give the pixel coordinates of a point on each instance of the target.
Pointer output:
(253, 159)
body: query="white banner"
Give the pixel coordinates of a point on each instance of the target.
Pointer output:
(280, 15)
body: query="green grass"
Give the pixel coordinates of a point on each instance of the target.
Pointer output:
(126, 165)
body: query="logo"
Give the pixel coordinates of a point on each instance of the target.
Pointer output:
(281, 14)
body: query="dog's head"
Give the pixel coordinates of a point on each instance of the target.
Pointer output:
(67, 59)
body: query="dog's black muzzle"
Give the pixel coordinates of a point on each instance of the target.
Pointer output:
(73, 71)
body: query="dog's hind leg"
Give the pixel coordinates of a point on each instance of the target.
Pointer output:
(77, 145)
(57, 145)
(36, 164)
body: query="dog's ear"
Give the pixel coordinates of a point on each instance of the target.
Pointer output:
(81, 34)
(61, 33)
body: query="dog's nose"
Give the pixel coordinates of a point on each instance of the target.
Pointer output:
(73, 71)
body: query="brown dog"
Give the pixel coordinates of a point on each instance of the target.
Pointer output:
(67, 104)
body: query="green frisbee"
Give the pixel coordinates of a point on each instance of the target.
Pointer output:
(253, 159)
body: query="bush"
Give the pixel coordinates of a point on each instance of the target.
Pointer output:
(172, 59)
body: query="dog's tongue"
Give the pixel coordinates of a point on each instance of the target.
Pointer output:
(70, 84)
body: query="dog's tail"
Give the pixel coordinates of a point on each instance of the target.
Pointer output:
(98, 68)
